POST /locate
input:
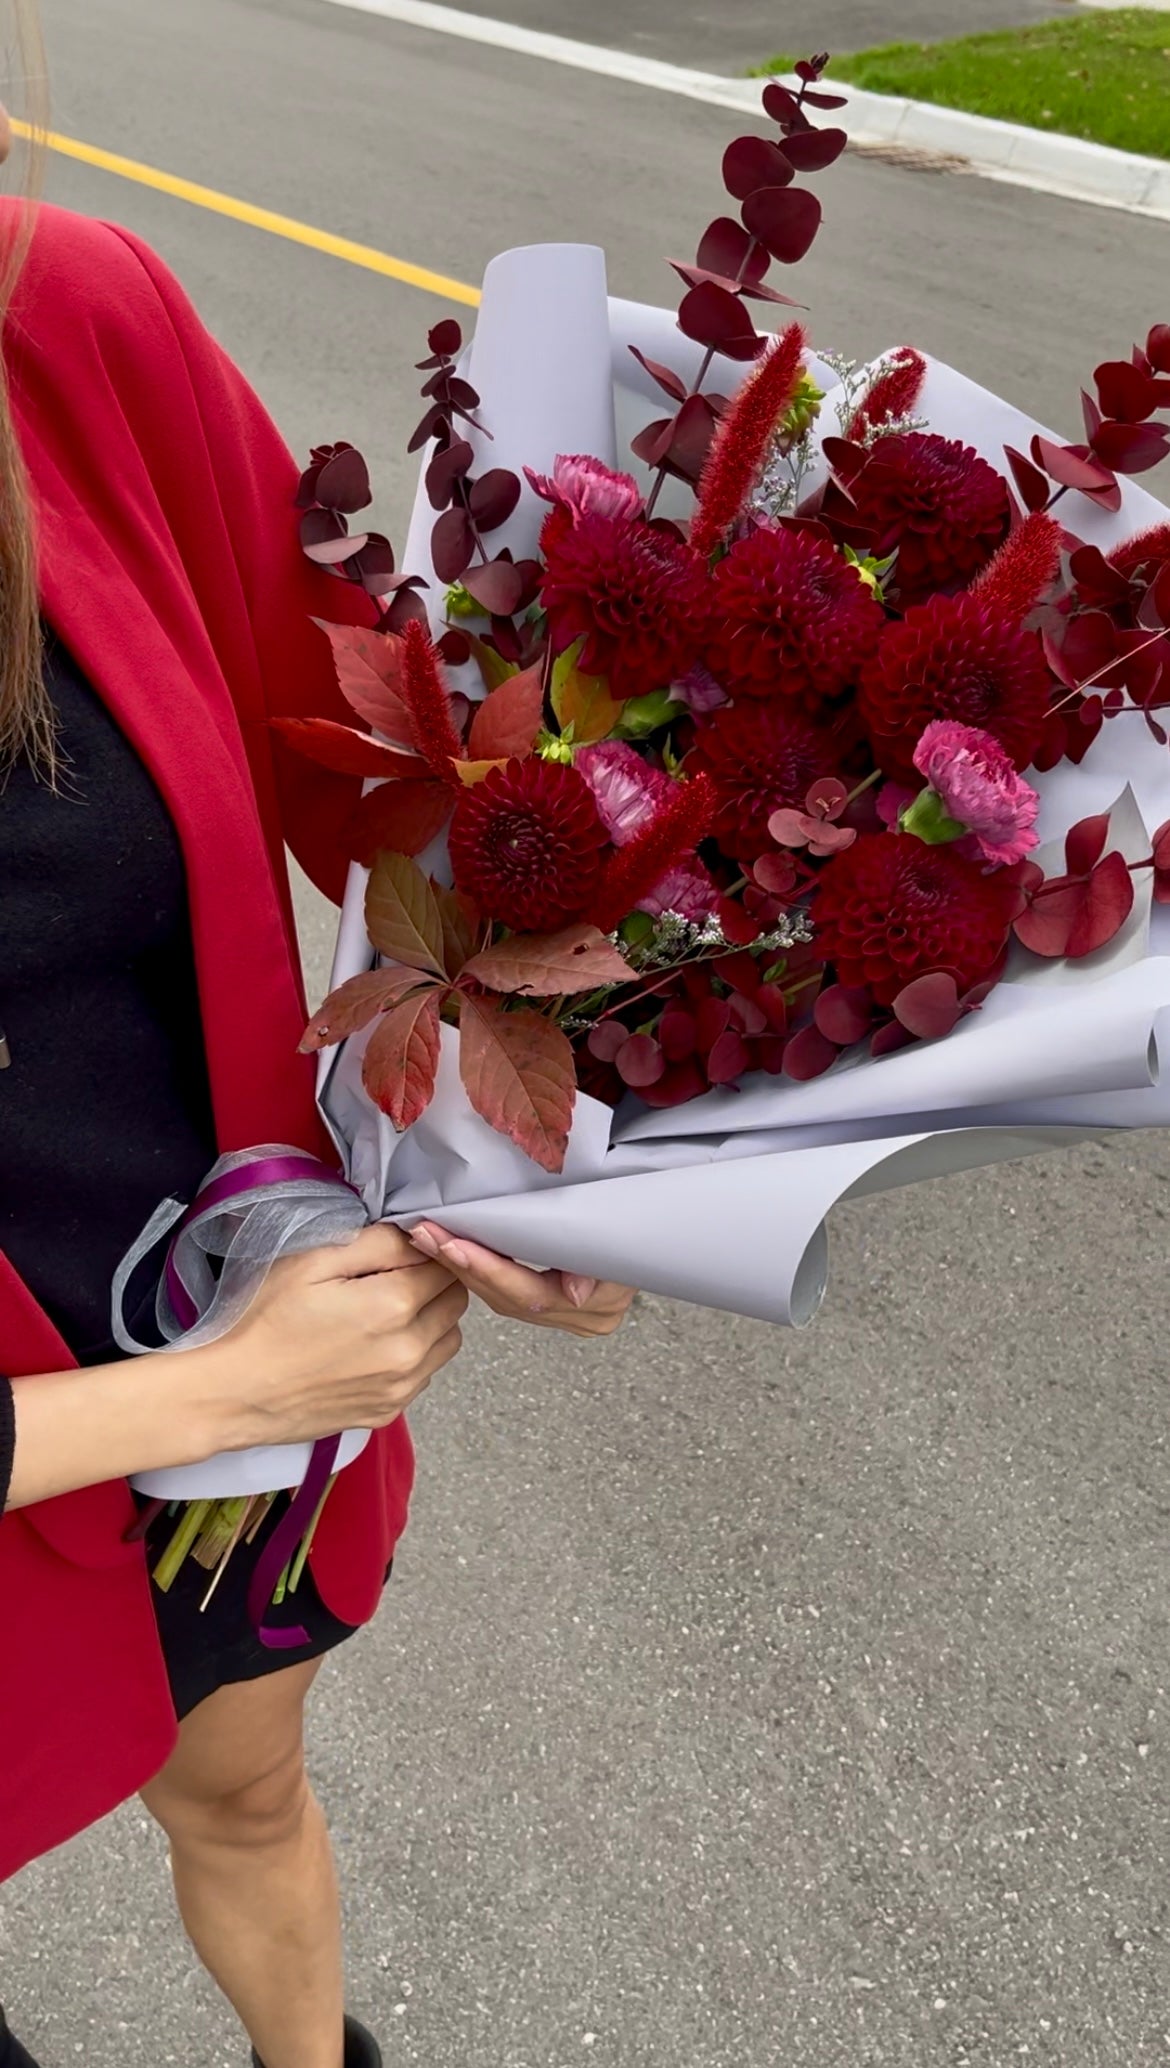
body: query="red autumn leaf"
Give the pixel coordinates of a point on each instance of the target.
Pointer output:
(402, 917)
(1105, 906)
(640, 1061)
(747, 1016)
(404, 816)
(844, 1014)
(1069, 467)
(460, 924)
(1074, 917)
(826, 100)
(785, 220)
(578, 958)
(1161, 856)
(445, 338)
(736, 925)
(751, 290)
(343, 749)
(606, 1039)
(889, 1039)
(498, 587)
(809, 1054)
(448, 466)
(727, 249)
(775, 873)
(344, 481)
(1085, 844)
(827, 798)
(815, 149)
(677, 1033)
(666, 378)
(929, 1007)
(508, 720)
(348, 1009)
(402, 1056)
(517, 1071)
(1032, 483)
(369, 671)
(493, 497)
(452, 544)
(730, 1056)
(1132, 448)
(714, 316)
(754, 161)
(1123, 392)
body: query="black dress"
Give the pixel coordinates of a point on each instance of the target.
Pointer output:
(105, 1108)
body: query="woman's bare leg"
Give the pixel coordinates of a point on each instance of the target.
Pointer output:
(253, 1866)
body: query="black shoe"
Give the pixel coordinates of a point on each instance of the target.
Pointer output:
(361, 2050)
(13, 2055)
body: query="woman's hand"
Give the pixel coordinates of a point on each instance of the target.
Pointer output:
(551, 1299)
(340, 1338)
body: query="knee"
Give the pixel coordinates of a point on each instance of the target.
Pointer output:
(261, 1812)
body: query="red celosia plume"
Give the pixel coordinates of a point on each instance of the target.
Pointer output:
(893, 396)
(1023, 570)
(671, 836)
(1152, 548)
(741, 444)
(428, 705)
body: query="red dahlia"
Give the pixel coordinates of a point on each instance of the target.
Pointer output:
(890, 908)
(526, 845)
(789, 618)
(634, 595)
(760, 757)
(935, 502)
(954, 658)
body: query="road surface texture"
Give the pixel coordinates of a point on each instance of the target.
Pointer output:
(734, 35)
(742, 1697)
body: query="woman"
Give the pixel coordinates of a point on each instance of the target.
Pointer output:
(155, 610)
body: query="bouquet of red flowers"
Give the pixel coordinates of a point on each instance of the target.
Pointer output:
(735, 786)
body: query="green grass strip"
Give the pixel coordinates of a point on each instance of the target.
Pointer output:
(1103, 76)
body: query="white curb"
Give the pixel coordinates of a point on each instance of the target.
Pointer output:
(1062, 165)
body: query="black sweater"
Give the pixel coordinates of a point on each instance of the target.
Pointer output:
(105, 1109)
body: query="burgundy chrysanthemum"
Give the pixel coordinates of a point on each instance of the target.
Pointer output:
(890, 908)
(634, 595)
(935, 502)
(761, 757)
(526, 845)
(954, 658)
(789, 618)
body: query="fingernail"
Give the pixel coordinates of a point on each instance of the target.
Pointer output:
(424, 1240)
(580, 1290)
(453, 1253)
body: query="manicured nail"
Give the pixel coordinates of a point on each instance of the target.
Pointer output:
(453, 1253)
(580, 1290)
(424, 1240)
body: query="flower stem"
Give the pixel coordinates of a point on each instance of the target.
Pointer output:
(167, 1570)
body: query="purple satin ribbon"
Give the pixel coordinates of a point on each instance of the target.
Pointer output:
(250, 1177)
(282, 1545)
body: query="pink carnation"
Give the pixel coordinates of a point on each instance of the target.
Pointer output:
(586, 487)
(977, 784)
(626, 790)
(687, 889)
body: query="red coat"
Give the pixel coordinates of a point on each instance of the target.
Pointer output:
(170, 568)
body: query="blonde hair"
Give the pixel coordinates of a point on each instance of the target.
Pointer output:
(27, 723)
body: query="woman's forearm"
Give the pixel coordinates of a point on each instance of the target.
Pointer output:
(78, 1428)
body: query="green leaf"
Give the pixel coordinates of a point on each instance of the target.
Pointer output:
(492, 665)
(582, 701)
(641, 716)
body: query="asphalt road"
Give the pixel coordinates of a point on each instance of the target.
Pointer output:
(742, 1698)
(734, 35)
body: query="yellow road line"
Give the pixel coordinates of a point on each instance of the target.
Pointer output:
(258, 218)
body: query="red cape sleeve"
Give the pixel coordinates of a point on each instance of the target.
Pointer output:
(256, 478)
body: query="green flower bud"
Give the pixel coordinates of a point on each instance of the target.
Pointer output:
(928, 820)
